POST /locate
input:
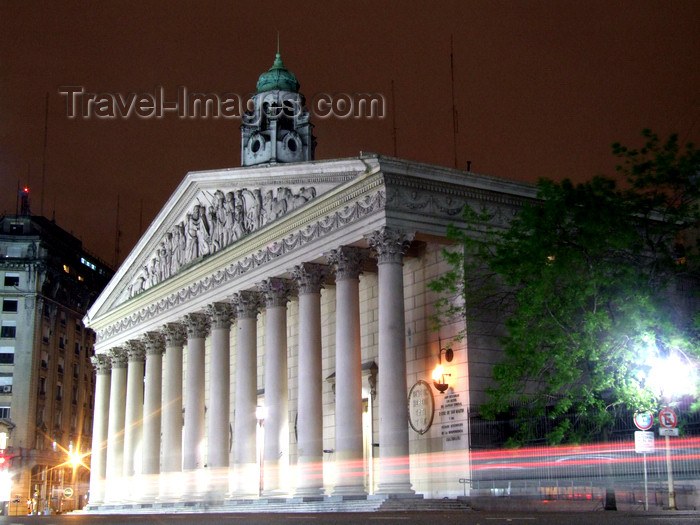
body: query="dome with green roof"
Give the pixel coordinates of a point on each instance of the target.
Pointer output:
(278, 77)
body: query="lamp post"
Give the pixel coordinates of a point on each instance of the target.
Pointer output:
(260, 414)
(670, 376)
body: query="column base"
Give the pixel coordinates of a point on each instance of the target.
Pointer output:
(395, 489)
(309, 492)
(170, 489)
(349, 490)
(397, 495)
(241, 482)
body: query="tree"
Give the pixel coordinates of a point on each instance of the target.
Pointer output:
(587, 277)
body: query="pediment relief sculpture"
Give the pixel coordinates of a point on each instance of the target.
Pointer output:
(216, 221)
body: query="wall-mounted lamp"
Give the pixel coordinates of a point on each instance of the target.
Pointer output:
(439, 373)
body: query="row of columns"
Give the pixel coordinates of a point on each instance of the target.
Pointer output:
(133, 424)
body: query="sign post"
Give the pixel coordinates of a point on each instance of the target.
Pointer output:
(644, 443)
(669, 420)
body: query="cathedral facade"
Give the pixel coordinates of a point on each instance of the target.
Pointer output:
(270, 334)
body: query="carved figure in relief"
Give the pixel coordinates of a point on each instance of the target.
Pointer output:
(229, 214)
(238, 218)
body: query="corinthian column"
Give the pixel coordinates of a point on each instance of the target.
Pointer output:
(276, 447)
(308, 279)
(115, 426)
(152, 406)
(348, 374)
(394, 472)
(134, 414)
(193, 440)
(219, 393)
(247, 305)
(98, 462)
(170, 482)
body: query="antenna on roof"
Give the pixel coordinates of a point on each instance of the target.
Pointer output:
(117, 235)
(43, 164)
(455, 116)
(393, 117)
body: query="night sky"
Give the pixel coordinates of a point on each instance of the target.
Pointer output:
(541, 88)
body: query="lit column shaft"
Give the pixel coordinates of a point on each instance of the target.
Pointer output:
(348, 374)
(219, 394)
(115, 425)
(133, 429)
(98, 461)
(247, 305)
(172, 410)
(152, 405)
(394, 473)
(276, 292)
(310, 423)
(193, 440)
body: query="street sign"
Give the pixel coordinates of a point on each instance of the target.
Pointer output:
(667, 418)
(643, 442)
(643, 420)
(668, 432)
(68, 492)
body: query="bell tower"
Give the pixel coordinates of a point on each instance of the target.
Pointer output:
(279, 128)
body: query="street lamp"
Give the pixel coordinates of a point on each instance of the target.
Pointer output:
(439, 372)
(260, 415)
(671, 376)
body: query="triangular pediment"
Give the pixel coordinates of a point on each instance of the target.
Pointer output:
(212, 210)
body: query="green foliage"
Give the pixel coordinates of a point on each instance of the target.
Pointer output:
(584, 276)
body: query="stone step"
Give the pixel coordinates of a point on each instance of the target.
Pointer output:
(282, 505)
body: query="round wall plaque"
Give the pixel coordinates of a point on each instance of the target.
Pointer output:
(421, 407)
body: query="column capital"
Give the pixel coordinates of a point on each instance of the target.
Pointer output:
(220, 315)
(246, 303)
(309, 277)
(118, 357)
(346, 262)
(276, 291)
(135, 350)
(389, 245)
(102, 363)
(174, 334)
(197, 325)
(154, 343)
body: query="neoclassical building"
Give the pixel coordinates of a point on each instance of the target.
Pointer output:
(270, 334)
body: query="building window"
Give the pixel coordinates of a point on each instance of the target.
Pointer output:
(76, 370)
(11, 279)
(78, 325)
(8, 329)
(74, 395)
(59, 391)
(4, 412)
(14, 251)
(5, 383)
(44, 359)
(9, 305)
(62, 342)
(77, 348)
(7, 355)
(42, 390)
(61, 364)
(62, 317)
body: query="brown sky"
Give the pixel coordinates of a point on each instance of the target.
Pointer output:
(542, 89)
